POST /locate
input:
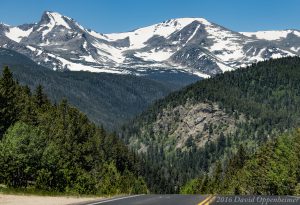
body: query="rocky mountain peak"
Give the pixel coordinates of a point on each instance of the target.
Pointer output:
(54, 18)
(192, 45)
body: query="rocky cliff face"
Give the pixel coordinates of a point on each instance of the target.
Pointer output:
(187, 124)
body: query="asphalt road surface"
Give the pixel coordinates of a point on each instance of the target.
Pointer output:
(174, 199)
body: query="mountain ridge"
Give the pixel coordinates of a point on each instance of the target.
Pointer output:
(191, 45)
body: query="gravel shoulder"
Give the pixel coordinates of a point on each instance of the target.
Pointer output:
(6, 199)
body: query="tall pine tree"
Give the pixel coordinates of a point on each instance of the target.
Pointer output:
(40, 97)
(8, 107)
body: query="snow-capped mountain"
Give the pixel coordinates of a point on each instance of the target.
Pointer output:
(192, 45)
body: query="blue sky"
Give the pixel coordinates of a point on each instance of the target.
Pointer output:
(123, 15)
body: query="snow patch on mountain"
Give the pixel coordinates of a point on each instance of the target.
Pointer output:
(80, 67)
(297, 33)
(31, 48)
(58, 19)
(226, 44)
(16, 34)
(154, 55)
(88, 58)
(295, 49)
(109, 52)
(201, 75)
(95, 34)
(55, 19)
(224, 67)
(268, 35)
(140, 36)
(194, 33)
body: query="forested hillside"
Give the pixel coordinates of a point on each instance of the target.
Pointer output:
(183, 136)
(272, 170)
(107, 99)
(54, 147)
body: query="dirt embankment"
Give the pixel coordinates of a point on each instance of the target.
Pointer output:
(38, 200)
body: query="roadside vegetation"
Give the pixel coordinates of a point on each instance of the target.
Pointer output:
(55, 148)
(274, 169)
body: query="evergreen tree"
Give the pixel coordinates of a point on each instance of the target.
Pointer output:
(8, 108)
(40, 97)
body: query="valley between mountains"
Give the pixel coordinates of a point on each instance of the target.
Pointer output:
(183, 106)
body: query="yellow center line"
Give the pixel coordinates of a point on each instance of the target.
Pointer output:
(211, 200)
(207, 200)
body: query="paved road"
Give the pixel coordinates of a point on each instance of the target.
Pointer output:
(173, 199)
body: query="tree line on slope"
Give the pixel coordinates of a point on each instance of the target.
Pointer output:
(274, 169)
(54, 147)
(266, 93)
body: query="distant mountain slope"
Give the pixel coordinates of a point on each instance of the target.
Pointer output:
(187, 45)
(108, 99)
(191, 129)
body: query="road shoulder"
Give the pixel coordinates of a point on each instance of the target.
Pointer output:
(8, 199)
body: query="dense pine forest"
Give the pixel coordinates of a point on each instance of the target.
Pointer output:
(274, 169)
(261, 102)
(54, 147)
